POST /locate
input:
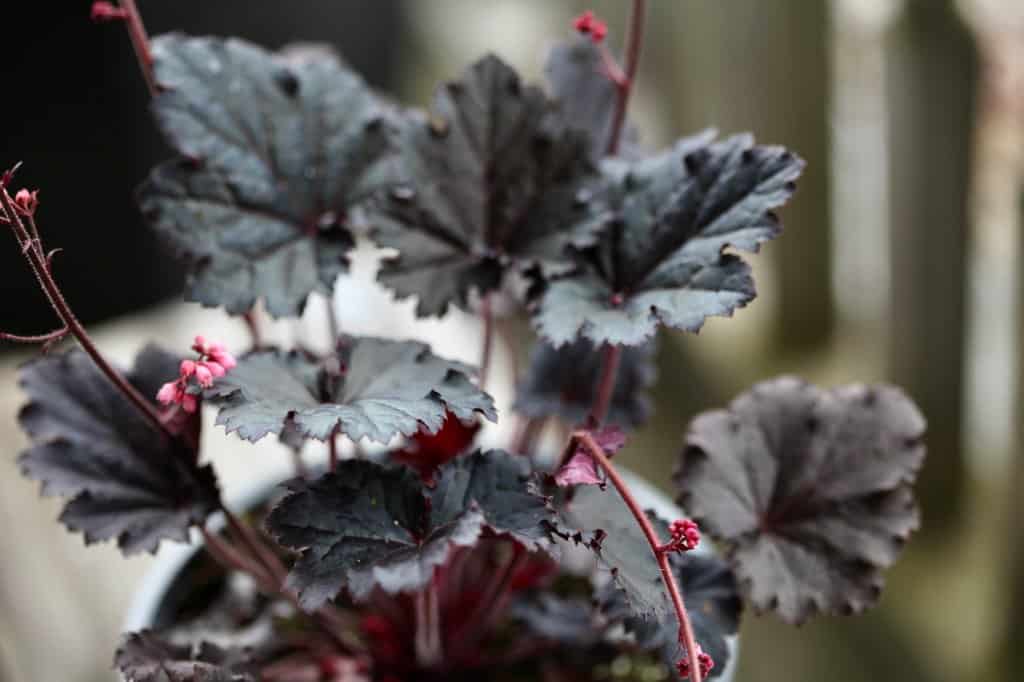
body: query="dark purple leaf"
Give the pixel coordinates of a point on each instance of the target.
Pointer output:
(277, 152)
(563, 382)
(145, 657)
(368, 526)
(584, 92)
(126, 479)
(663, 260)
(492, 181)
(810, 491)
(569, 622)
(385, 388)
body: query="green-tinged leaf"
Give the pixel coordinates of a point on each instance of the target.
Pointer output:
(492, 181)
(713, 606)
(146, 657)
(663, 260)
(126, 479)
(277, 151)
(563, 382)
(368, 526)
(810, 491)
(384, 388)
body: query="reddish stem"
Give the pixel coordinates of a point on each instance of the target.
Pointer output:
(332, 450)
(140, 43)
(259, 549)
(55, 335)
(634, 42)
(40, 268)
(485, 355)
(253, 325)
(606, 384)
(685, 627)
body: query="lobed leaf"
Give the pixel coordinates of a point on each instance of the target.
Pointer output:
(585, 94)
(277, 151)
(384, 388)
(564, 382)
(810, 491)
(368, 526)
(146, 657)
(493, 181)
(126, 479)
(664, 261)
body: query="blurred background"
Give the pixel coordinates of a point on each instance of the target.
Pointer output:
(898, 264)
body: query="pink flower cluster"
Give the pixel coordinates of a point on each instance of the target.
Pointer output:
(588, 24)
(214, 361)
(705, 662)
(685, 536)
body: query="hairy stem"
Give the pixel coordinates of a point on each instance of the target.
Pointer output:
(140, 43)
(41, 269)
(685, 627)
(634, 42)
(259, 549)
(611, 358)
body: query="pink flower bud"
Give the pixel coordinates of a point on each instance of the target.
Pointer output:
(168, 393)
(199, 345)
(203, 375)
(105, 11)
(704, 660)
(216, 369)
(187, 369)
(26, 201)
(225, 359)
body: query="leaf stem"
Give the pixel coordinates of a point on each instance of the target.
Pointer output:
(611, 359)
(140, 43)
(487, 314)
(41, 269)
(332, 450)
(55, 335)
(634, 42)
(660, 554)
(253, 325)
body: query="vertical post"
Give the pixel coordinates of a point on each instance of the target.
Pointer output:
(765, 67)
(931, 76)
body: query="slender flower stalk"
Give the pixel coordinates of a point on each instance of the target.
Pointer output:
(660, 550)
(40, 266)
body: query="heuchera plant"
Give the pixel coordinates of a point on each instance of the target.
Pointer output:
(434, 559)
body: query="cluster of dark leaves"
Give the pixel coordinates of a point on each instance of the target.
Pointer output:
(280, 152)
(282, 158)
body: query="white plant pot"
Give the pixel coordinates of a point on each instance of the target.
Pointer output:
(148, 600)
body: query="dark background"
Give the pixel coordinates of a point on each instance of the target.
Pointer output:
(73, 113)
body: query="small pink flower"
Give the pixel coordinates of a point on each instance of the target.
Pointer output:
(168, 393)
(189, 403)
(685, 536)
(215, 368)
(705, 662)
(199, 345)
(588, 24)
(223, 358)
(203, 375)
(187, 368)
(27, 202)
(105, 11)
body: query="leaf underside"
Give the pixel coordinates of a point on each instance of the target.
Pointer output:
(276, 151)
(385, 388)
(367, 526)
(809, 490)
(126, 479)
(663, 260)
(492, 180)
